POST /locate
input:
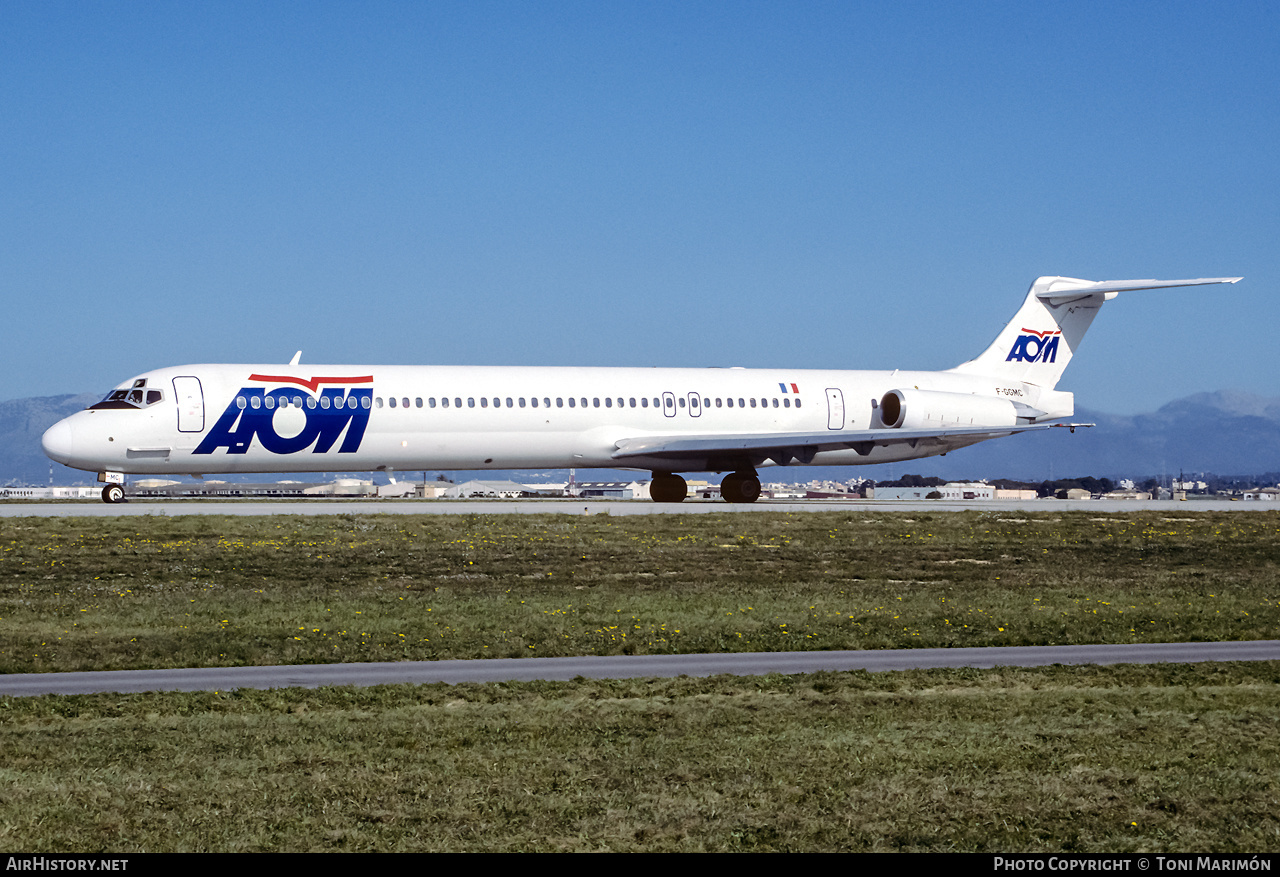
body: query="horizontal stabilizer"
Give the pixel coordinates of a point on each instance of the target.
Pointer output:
(1036, 345)
(1066, 289)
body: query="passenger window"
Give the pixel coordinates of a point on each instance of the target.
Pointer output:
(572, 401)
(404, 403)
(546, 402)
(521, 401)
(786, 403)
(255, 401)
(497, 403)
(753, 403)
(364, 402)
(311, 401)
(417, 403)
(444, 401)
(633, 401)
(595, 402)
(378, 402)
(471, 401)
(644, 402)
(457, 402)
(797, 403)
(392, 401)
(608, 403)
(584, 401)
(484, 401)
(509, 402)
(729, 402)
(324, 402)
(431, 402)
(775, 403)
(240, 402)
(680, 401)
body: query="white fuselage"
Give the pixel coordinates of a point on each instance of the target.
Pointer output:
(460, 417)
(206, 419)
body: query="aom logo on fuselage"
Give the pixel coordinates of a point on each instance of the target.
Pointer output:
(1033, 346)
(307, 420)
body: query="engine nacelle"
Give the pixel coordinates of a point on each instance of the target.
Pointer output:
(927, 409)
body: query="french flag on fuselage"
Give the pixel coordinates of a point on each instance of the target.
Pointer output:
(788, 388)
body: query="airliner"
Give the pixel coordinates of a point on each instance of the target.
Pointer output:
(216, 419)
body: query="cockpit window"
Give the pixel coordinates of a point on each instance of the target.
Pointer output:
(139, 396)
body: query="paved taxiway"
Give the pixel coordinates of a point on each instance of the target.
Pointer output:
(596, 507)
(622, 667)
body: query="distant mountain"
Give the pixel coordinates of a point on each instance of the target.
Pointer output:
(22, 422)
(1226, 432)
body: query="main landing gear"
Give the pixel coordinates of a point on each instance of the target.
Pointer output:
(740, 487)
(666, 487)
(113, 493)
(736, 487)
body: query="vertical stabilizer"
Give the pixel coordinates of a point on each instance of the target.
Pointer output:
(1038, 343)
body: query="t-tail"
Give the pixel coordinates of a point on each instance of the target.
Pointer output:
(1043, 335)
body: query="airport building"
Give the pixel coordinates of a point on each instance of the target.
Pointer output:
(485, 489)
(50, 492)
(159, 488)
(613, 489)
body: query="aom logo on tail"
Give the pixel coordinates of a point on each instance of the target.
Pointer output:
(1033, 346)
(307, 421)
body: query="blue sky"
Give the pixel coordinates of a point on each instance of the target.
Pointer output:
(804, 185)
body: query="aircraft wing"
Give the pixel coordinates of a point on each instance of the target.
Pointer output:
(729, 451)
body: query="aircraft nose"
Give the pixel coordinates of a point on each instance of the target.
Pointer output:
(58, 442)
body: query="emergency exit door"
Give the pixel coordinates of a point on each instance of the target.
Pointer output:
(835, 409)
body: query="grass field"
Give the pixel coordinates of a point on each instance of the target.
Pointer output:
(1126, 758)
(1172, 758)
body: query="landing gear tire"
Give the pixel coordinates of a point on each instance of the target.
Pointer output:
(666, 487)
(113, 493)
(740, 487)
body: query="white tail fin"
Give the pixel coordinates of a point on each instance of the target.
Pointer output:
(1043, 335)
